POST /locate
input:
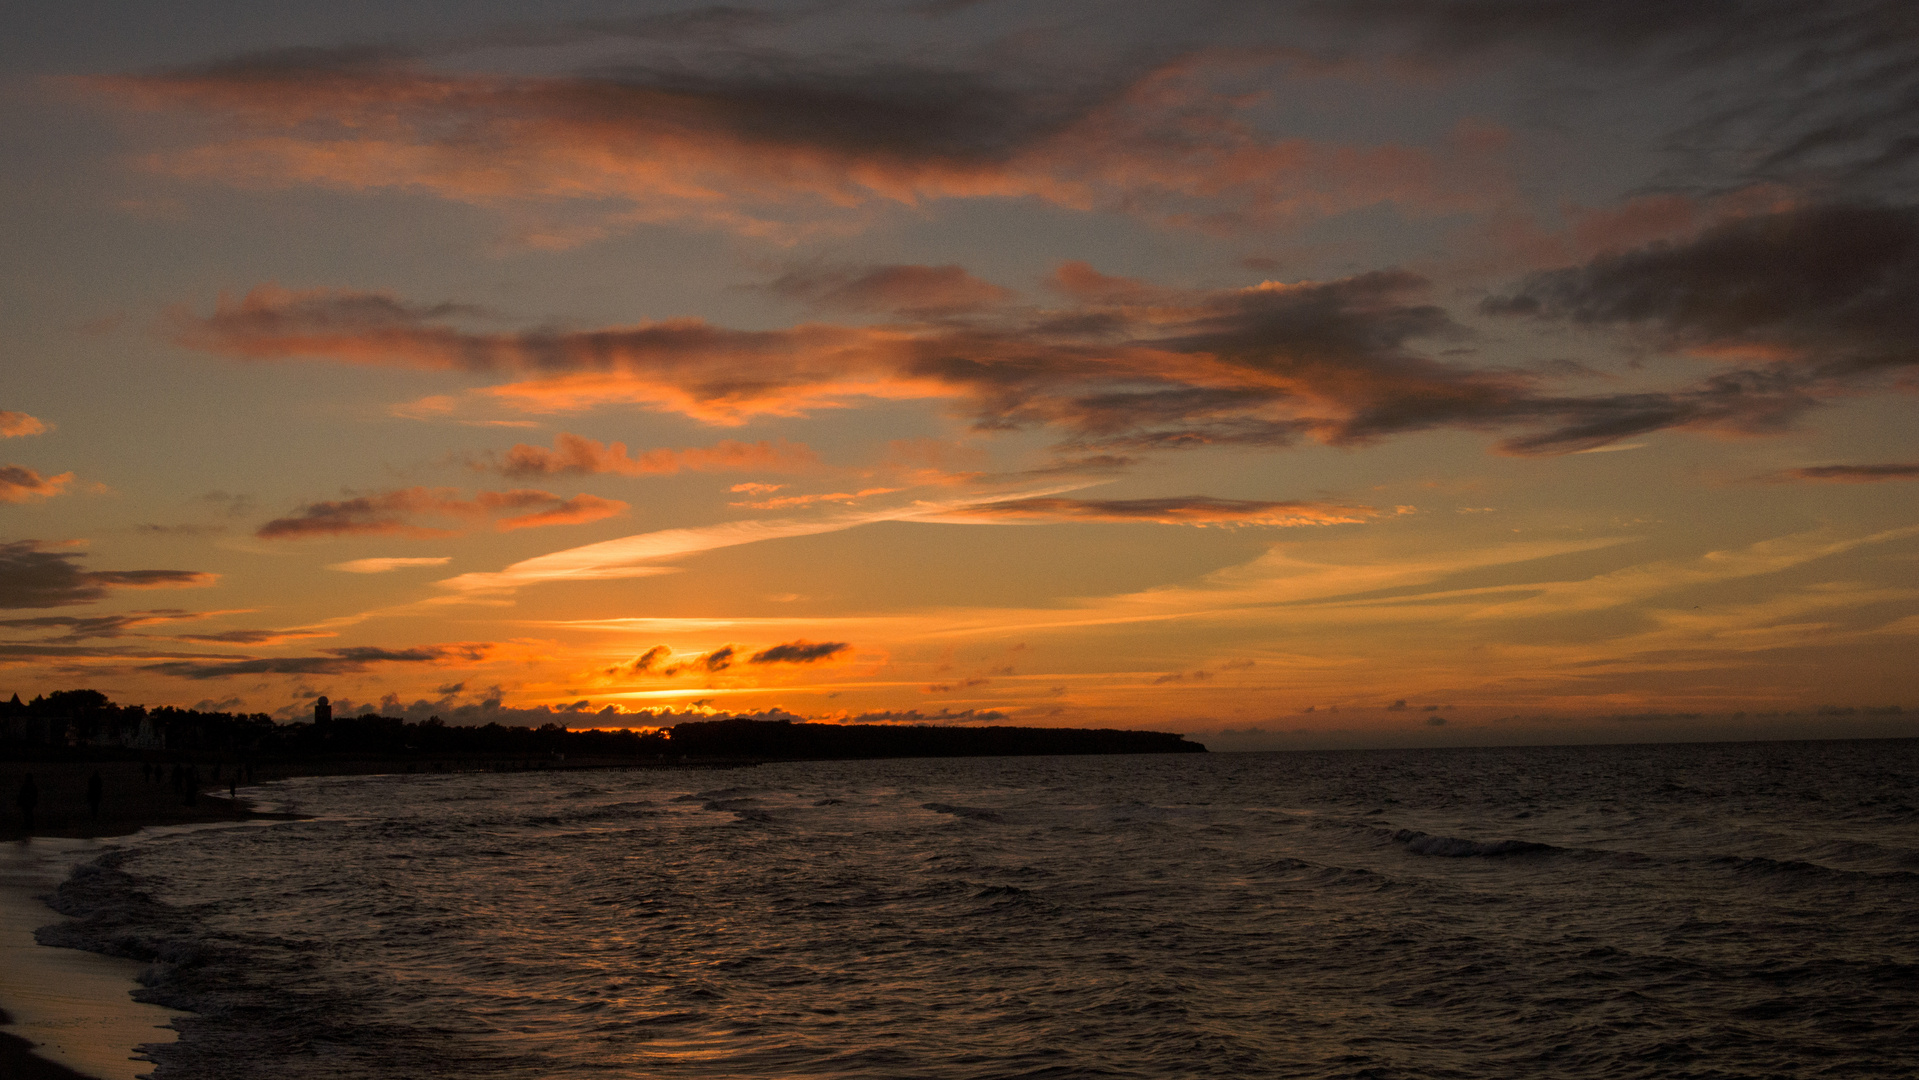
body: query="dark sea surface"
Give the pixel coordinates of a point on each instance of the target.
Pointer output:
(1743, 910)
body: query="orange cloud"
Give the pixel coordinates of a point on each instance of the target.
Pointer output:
(1189, 510)
(1129, 367)
(19, 484)
(577, 456)
(393, 513)
(15, 424)
(577, 510)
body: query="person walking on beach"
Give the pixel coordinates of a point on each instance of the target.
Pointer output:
(28, 798)
(96, 790)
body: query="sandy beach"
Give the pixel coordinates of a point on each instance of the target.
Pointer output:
(128, 802)
(66, 1013)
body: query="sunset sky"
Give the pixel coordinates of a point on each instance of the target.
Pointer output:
(1362, 372)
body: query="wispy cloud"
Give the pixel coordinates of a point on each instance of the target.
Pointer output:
(638, 556)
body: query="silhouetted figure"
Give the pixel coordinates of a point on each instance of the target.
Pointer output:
(28, 798)
(179, 775)
(96, 790)
(146, 772)
(191, 785)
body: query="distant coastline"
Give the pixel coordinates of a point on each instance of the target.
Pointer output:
(167, 766)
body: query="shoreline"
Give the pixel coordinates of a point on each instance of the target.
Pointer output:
(67, 1014)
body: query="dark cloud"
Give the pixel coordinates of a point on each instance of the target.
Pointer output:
(51, 650)
(1834, 288)
(1850, 474)
(1184, 510)
(342, 661)
(913, 291)
(776, 143)
(799, 652)
(1817, 301)
(1822, 95)
(648, 661)
(33, 577)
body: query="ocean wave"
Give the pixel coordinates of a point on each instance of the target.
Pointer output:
(1455, 847)
(1795, 870)
(1321, 875)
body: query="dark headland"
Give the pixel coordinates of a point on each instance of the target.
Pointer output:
(168, 766)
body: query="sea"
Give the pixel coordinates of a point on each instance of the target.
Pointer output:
(1731, 910)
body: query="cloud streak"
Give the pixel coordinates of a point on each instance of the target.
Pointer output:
(396, 513)
(1196, 510)
(342, 661)
(77, 628)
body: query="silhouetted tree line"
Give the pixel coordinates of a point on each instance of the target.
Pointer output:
(85, 721)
